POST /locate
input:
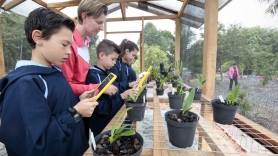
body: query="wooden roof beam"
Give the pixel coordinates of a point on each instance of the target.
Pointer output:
(63, 4)
(123, 8)
(140, 18)
(12, 4)
(184, 4)
(40, 2)
(159, 7)
(2, 2)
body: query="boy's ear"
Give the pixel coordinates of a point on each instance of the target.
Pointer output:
(101, 54)
(37, 37)
(126, 51)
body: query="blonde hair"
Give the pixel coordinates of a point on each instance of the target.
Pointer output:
(93, 8)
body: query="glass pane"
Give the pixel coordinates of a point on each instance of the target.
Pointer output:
(25, 8)
(168, 4)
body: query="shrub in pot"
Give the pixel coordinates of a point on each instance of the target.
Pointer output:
(176, 98)
(123, 140)
(160, 87)
(198, 89)
(224, 110)
(138, 105)
(181, 124)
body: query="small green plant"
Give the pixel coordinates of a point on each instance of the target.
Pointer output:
(134, 98)
(123, 130)
(162, 80)
(245, 105)
(188, 100)
(233, 96)
(155, 73)
(180, 86)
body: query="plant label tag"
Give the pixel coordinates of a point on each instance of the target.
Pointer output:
(173, 91)
(144, 99)
(221, 98)
(92, 139)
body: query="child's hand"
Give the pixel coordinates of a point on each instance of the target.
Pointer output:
(111, 90)
(133, 84)
(86, 107)
(87, 94)
(130, 92)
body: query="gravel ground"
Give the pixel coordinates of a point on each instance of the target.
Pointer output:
(264, 100)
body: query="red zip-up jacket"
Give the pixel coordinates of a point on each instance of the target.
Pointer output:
(76, 68)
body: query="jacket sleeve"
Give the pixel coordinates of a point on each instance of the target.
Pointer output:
(45, 133)
(132, 75)
(69, 68)
(121, 82)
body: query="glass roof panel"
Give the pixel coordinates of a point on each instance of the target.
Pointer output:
(26, 7)
(168, 4)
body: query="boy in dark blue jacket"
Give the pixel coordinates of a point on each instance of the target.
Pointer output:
(107, 54)
(40, 116)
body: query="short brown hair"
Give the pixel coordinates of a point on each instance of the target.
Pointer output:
(93, 8)
(107, 47)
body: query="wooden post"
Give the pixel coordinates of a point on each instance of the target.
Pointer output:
(2, 62)
(178, 44)
(142, 63)
(210, 47)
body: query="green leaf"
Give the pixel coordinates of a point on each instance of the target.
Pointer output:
(187, 104)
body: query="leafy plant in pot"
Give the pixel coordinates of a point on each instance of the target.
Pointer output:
(224, 110)
(160, 87)
(138, 105)
(181, 124)
(176, 98)
(198, 90)
(123, 140)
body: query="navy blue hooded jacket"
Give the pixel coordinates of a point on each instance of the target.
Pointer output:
(107, 107)
(107, 104)
(122, 71)
(34, 114)
(131, 74)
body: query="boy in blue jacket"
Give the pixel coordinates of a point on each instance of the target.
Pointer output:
(107, 55)
(40, 116)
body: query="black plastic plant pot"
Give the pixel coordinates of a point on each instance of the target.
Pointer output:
(223, 113)
(198, 94)
(181, 134)
(137, 112)
(175, 101)
(157, 83)
(159, 91)
(137, 135)
(174, 84)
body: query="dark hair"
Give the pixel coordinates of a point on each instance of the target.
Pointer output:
(47, 21)
(127, 44)
(108, 47)
(93, 8)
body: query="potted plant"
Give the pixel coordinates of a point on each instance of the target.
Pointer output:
(123, 140)
(198, 87)
(176, 98)
(138, 105)
(160, 85)
(181, 124)
(224, 110)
